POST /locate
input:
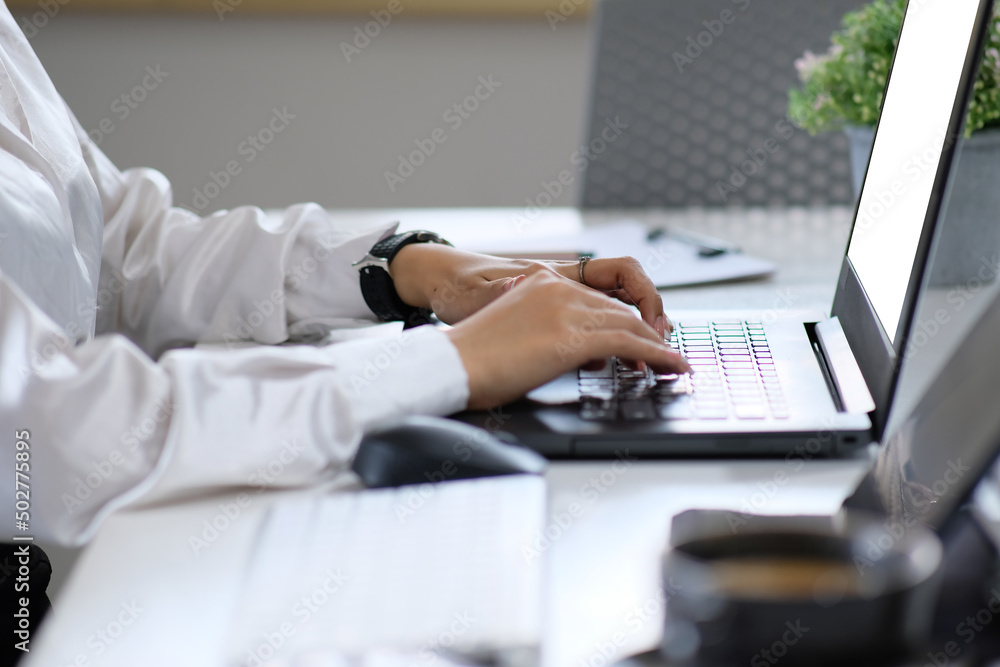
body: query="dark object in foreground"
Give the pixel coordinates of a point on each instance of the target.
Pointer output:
(421, 450)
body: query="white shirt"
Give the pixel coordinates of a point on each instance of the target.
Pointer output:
(104, 289)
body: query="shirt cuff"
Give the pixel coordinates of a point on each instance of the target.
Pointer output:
(416, 372)
(322, 288)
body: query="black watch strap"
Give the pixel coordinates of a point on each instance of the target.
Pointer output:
(376, 284)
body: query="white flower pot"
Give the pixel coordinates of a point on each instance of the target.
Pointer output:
(968, 241)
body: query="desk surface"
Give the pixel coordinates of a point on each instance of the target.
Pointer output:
(602, 587)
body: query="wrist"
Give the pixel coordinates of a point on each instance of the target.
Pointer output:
(416, 270)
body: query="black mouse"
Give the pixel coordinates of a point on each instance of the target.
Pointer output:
(419, 450)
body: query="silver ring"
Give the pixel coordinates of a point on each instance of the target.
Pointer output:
(583, 265)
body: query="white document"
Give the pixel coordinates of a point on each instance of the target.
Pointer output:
(669, 262)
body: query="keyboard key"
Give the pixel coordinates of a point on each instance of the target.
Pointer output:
(728, 366)
(606, 372)
(637, 410)
(749, 411)
(598, 410)
(596, 382)
(676, 410)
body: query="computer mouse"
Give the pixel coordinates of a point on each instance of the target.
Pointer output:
(421, 450)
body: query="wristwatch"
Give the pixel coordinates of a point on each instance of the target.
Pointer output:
(377, 287)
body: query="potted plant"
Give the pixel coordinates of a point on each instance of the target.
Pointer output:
(842, 89)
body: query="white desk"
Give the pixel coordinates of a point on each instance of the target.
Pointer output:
(602, 582)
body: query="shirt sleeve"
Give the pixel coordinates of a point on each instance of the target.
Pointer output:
(172, 278)
(108, 427)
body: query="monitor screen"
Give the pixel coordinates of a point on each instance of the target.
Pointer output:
(920, 99)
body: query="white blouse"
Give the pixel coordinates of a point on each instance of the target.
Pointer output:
(104, 289)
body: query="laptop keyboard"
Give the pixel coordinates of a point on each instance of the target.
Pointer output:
(733, 376)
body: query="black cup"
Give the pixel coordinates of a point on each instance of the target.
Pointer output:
(798, 591)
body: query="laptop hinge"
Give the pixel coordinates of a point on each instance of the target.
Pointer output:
(844, 370)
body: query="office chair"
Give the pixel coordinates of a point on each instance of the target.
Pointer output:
(703, 87)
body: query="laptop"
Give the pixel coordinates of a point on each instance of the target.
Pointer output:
(818, 387)
(937, 467)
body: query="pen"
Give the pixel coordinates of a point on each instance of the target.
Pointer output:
(707, 246)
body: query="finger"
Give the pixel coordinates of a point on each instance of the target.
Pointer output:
(626, 320)
(625, 274)
(630, 346)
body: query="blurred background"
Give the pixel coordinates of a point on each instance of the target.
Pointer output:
(358, 103)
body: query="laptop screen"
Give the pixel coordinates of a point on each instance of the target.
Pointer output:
(899, 185)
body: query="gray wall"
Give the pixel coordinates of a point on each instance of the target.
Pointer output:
(352, 120)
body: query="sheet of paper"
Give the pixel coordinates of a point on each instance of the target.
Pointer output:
(669, 262)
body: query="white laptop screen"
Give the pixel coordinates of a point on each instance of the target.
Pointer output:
(918, 107)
